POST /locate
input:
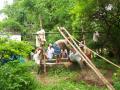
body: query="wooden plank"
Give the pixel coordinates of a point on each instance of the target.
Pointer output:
(55, 63)
(62, 59)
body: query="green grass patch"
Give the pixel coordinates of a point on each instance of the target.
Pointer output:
(61, 78)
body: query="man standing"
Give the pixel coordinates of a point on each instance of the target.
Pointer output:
(38, 59)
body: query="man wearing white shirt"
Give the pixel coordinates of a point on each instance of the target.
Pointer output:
(38, 59)
(50, 52)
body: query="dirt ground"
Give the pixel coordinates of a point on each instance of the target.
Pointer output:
(91, 78)
(86, 75)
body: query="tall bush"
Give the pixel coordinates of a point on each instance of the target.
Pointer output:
(9, 48)
(16, 76)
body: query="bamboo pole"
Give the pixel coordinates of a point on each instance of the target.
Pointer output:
(86, 59)
(41, 26)
(44, 63)
(99, 55)
(103, 79)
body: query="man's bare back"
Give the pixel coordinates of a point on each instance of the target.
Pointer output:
(61, 43)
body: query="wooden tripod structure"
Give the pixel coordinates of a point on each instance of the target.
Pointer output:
(66, 34)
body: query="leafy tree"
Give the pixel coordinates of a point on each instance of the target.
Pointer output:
(11, 25)
(29, 12)
(107, 14)
(77, 15)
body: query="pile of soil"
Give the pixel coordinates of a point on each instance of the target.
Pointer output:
(91, 78)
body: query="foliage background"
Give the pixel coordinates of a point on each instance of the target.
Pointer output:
(75, 15)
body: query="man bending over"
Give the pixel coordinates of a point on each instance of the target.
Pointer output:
(58, 45)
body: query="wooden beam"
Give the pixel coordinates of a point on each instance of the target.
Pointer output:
(48, 33)
(55, 63)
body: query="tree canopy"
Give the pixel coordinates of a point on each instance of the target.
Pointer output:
(75, 15)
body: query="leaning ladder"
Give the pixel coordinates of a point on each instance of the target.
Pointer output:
(66, 34)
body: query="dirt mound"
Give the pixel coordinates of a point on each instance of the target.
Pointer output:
(91, 78)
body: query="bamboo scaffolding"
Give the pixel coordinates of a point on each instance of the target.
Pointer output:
(104, 79)
(86, 59)
(99, 55)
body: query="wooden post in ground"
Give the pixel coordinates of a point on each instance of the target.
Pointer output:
(83, 35)
(40, 17)
(44, 60)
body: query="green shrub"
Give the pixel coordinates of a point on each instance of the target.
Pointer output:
(16, 76)
(9, 48)
(100, 63)
(116, 80)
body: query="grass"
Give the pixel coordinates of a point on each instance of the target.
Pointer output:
(69, 85)
(61, 78)
(99, 63)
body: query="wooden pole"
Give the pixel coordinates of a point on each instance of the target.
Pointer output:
(86, 59)
(44, 60)
(83, 35)
(41, 26)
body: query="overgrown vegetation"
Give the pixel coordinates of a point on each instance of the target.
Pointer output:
(13, 74)
(61, 78)
(102, 64)
(16, 76)
(76, 16)
(79, 17)
(116, 78)
(10, 50)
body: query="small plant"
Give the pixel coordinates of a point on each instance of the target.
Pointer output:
(116, 80)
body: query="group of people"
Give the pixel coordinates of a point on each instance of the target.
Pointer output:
(61, 49)
(51, 51)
